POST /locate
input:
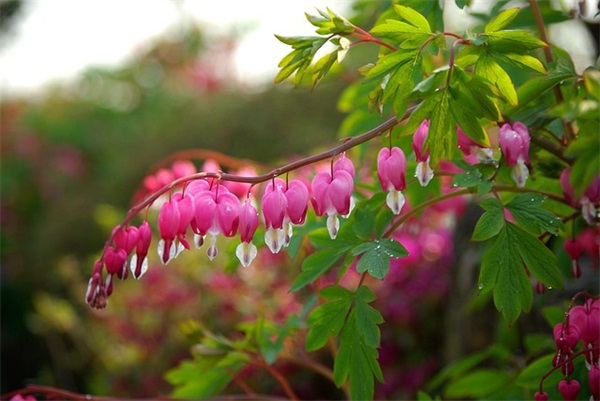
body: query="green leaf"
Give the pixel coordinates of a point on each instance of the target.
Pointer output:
(322, 67)
(441, 139)
(356, 360)
(526, 209)
(487, 68)
(502, 20)
(530, 376)
(315, 265)
(477, 384)
(591, 81)
(524, 60)
(503, 271)
(540, 261)
(401, 32)
(390, 62)
(328, 319)
(413, 17)
(516, 41)
(489, 224)
(207, 377)
(376, 256)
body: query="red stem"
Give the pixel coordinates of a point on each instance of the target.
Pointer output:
(346, 145)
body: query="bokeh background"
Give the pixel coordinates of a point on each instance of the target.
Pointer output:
(77, 142)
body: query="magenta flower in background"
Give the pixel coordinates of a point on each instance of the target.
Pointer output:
(514, 143)
(589, 201)
(423, 172)
(470, 148)
(391, 171)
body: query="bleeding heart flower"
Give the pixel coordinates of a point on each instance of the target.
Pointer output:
(514, 143)
(424, 173)
(391, 171)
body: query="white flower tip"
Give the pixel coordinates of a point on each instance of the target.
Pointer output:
(246, 252)
(275, 239)
(424, 173)
(395, 200)
(212, 251)
(588, 211)
(333, 225)
(133, 267)
(520, 173)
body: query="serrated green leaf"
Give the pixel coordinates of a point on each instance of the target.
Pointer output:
(356, 360)
(322, 67)
(526, 209)
(401, 32)
(537, 86)
(540, 261)
(413, 17)
(315, 265)
(375, 262)
(502, 20)
(328, 319)
(441, 139)
(503, 272)
(524, 60)
(491, 205)
(489, 69)
(466, 119)
(489, 224)
(476, 93)
(513, 41)
(390, 62)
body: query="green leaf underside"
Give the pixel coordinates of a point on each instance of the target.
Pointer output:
(356, 360)
(315, 265)
(328, 319)
(216, 373)
(502, 20)
(526, 209)
(503, 270)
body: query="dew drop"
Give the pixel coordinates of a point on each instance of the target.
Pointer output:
(480, 286)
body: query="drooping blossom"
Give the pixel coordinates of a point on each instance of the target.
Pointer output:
(173, 219)
(246, 251)
(283, 205)
(594, 381)
(470, 148)
(589, 200)
(186, 206)
(423, 172)
(574, 248)
(566, 337)
(183, 168)
(540, 396)
(139, 260)
(216, 212)
(126, 239)
(115, 261)
(332, 195)
(587, 319)
(569, 389)
(391, 171)
(514, 143)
